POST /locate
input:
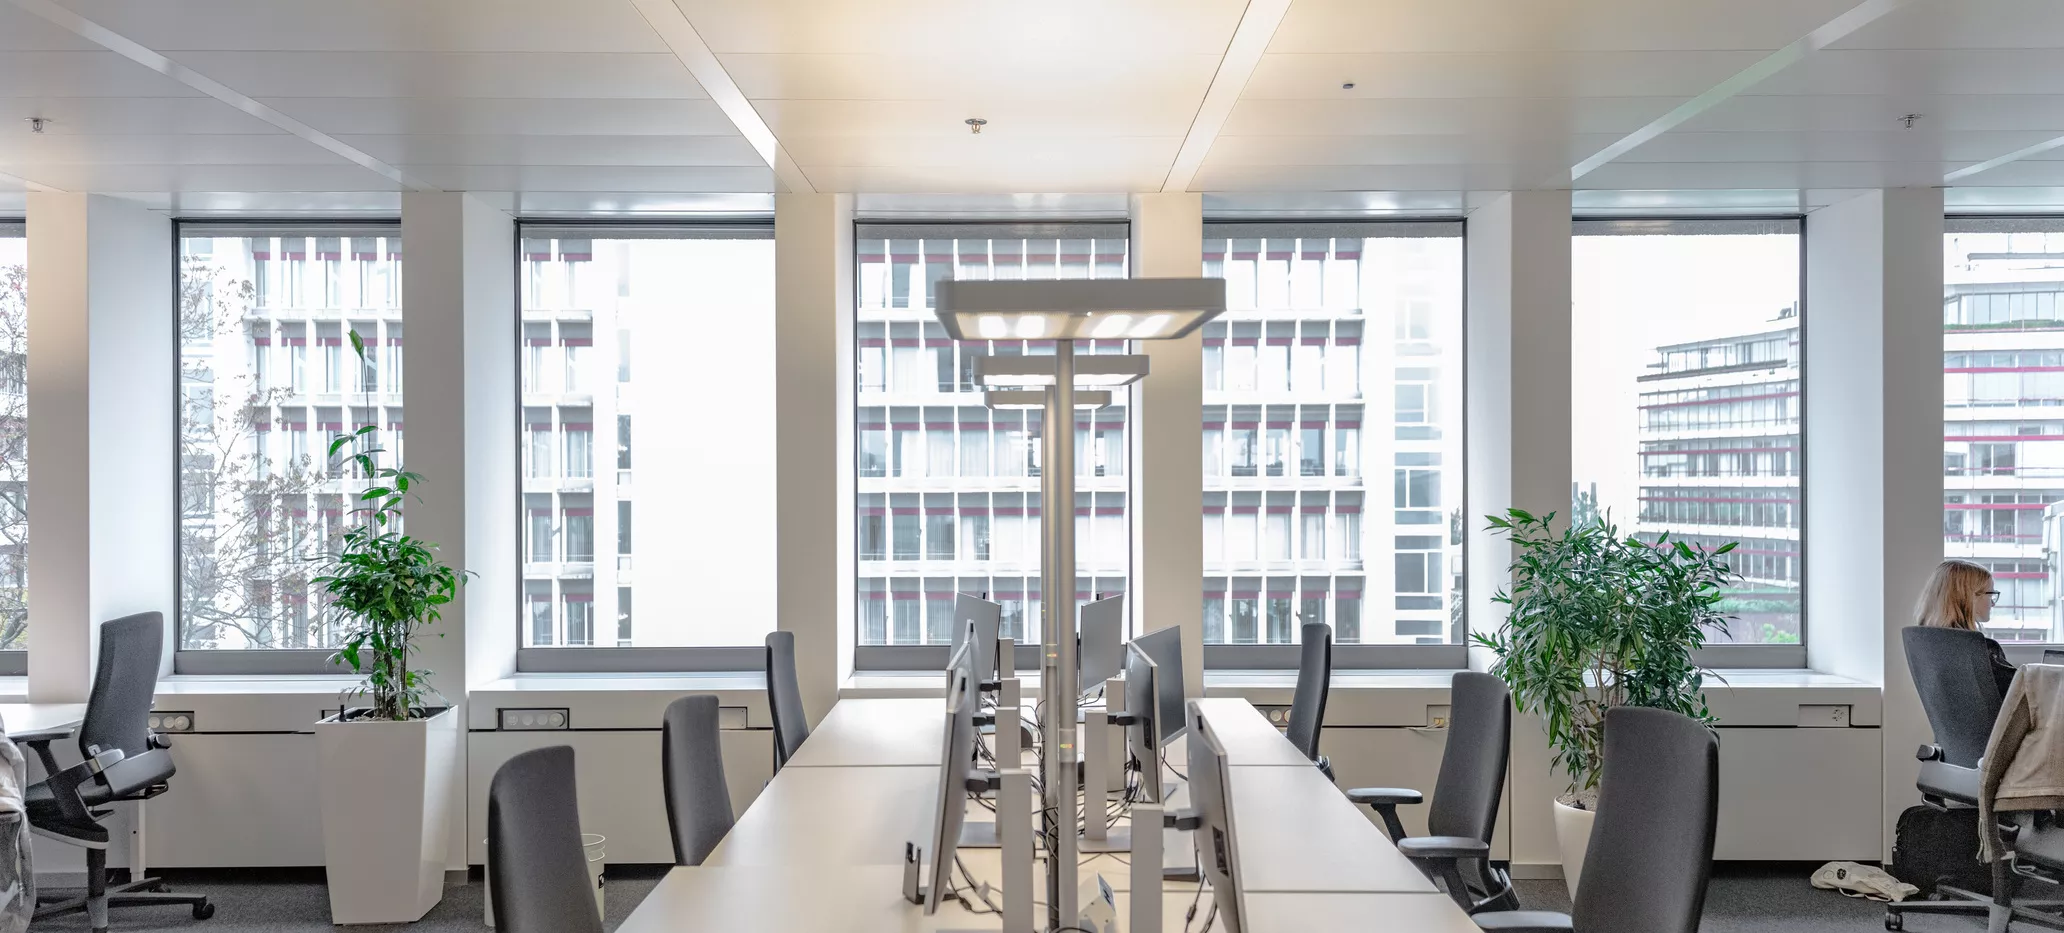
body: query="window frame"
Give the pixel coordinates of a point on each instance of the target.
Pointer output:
(14, 662)
(1730, 655)
(247, 661)
(605, 656)
(1376, 486)
(904, 658)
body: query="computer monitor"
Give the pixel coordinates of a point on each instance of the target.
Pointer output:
(1165, 647)
(955, 757)
(1216, 839)
(987, 619)
(1103, 641)
(1142, 736)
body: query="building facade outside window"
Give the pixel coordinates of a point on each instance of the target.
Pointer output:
(260, 501)
(1689, 372)
(1333, 434)
(14, 447)
(948, 491)
(2003, 415)
(702, 300)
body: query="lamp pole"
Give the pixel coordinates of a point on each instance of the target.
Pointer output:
(1058, 669)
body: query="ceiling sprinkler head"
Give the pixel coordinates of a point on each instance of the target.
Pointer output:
(1909, 119)
(975, 125)
(1347, 85)
(36, 125)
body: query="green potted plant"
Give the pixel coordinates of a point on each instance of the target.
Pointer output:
(1598, 619)
(390, 754)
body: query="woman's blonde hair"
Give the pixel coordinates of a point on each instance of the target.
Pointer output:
(1949, 595)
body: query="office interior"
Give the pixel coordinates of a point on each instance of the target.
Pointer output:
(1478, 257)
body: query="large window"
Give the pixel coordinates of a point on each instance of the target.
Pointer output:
(1687, 387)
(1333, 437)
(948, 491)
(672, 328)
(266, 376)
(14, 447)
(2003, 414)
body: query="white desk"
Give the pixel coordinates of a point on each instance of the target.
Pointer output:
(875, 733)
(26, 718)
(1247, 736)
(835, 817)
(1350, 913)
(1296, 832)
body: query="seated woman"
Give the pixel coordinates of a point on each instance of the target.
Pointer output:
(1960, 594)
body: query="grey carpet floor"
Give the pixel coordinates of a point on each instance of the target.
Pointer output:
(1744, 898)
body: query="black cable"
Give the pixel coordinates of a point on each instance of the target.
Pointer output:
(969, 877)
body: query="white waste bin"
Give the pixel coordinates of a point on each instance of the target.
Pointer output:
(594, 847)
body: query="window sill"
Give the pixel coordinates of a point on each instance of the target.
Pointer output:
(615, 701)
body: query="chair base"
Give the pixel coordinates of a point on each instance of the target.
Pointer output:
(1955, 901)
(149, 892)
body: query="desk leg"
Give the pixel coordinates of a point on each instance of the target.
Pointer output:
(1146, 868)
(1014, 832)
(1096, 770)
(137, 869)
(1009, 737)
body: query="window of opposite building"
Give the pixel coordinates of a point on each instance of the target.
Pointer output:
(669, 329)
(947, 491)
(14, 449)
(2003, 416)
(1332, 438)
(267, 375)
(1688, 340)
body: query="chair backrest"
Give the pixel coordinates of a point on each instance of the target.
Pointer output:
(536, 869)
(125, 680)
(691, 753)
(1472, 770)
(1314, 680)
(1952, 671)
(785, 697)
(1651, 847)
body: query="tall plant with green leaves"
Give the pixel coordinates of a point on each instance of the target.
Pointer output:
(1598, 619)
(390, 586)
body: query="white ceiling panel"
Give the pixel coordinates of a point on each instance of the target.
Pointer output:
(1541, 153)
(1130, 153)
(1482, 117)
(984, 180)
(495, 116)
(376, 25)
(342, 176)
(1982, 199)
(426, 149)
(1897, 72)
(463, 74)
(1009, 119)
(31, 152)
(27, 32)
(1501, 74)
(82, 74)
(273, 203)
(2036, 172)
(1060, 30)
(1916, 145)
(1754, 175)
(1577, 25)
(1678, 201)
(969, 76)
(593, 178)
(1355, 177)
(1269, 204)
(582, 203)
(1965, 24)
(123, 116)
(1872, 112)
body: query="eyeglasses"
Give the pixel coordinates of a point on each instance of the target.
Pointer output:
(1993, 595)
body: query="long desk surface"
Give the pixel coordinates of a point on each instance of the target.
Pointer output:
(821, 849)
(26, 718)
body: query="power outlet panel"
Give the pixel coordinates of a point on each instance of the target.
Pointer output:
(1824, 716)
(1437, 717)
(170, 721)
(535, 720)
(1278, 716)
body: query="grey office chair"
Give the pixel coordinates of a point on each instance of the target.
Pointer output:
(536, 869)
(698, 805)
(1308, 704)
(1464, 813)
(785, 698)
(1651, 847)
(122, 762)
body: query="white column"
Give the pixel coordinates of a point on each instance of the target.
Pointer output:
(813, 438)
(1873, 449)
(1167, 487)
(101, 447)
(1517, 393)
(459, 302)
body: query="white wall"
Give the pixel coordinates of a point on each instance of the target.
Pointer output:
(1166, 494)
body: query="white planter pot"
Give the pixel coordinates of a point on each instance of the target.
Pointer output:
(1573, 838)
(386, 815)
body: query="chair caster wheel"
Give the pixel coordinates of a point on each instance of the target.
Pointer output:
(161, 888)
(1895, 923)
(203, 911)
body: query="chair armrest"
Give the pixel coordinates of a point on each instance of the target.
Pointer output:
(1443, 847)
(1948, 783)
(1384, 796)
(1522, 921)
(64, 785)
(39, 742)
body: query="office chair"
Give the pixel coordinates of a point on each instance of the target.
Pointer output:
(123, 762)
(1308, 704)
(1464, 813)
(785, 698)
(1952, 672)
(536, 869)
(698, 805)
(1651, 847)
